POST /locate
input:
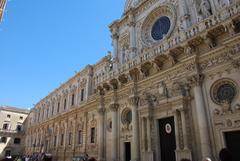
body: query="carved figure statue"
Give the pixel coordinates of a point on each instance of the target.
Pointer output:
(210, 42)
(162, 89)
(223, 3)
(189, 50)
(205, 8)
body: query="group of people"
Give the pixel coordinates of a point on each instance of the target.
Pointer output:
(34, 157)
(224, 155)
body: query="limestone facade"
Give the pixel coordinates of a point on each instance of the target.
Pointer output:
(173, 76)
(12, 127)
(2, 7)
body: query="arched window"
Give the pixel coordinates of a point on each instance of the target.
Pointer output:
(17, 141)
(19, 128)
(5, 126)
(52, 109)
(80, 137)
(65, 104)
(3, 139)
(73, 99)
(92, 135)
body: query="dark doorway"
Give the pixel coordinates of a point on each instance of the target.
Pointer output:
(167, 139)
(127, 151)
(233, 144)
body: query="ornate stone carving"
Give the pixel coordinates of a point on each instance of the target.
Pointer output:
(101, 111)
(126, 116)
(205, 9)
(151, 99)
(114, 83)
(226, 106)
(114, 107)
(134, 100)
(237, 107)
(196, 80)
(223, 92)
(189, 50)
(172, 59)
(236, 64)
(210, 41)
(166, 10)
(223, 3)
(162, 90)
(123, 79)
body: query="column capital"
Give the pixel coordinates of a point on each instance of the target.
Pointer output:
(131, 24)
(131, 19)
(196, 80)
(115, 36)
(114, 107)
(101, 111)
(134, 100)
(133, 49)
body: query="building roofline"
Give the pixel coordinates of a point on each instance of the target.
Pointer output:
(14, 109)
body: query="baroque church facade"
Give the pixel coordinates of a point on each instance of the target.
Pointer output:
(169, 90)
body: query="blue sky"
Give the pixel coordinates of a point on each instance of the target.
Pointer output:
(43, 42)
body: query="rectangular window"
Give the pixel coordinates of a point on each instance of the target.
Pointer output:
(17, 141)
(52, 109)
(93, 135)
(8, 116)
(62, 139)
(80, 141)
(21, 118)
(5, 126)
(82, 94)
(65, 104)
(73, 97)
(47, 112)
(43, 115)
(55, 141)
(58, 107)
(70, 139)
(38, 116)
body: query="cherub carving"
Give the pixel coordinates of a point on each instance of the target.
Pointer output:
(205, 9)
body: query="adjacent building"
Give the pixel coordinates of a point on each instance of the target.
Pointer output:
(12, 125)
(2, 7)
(169, 90)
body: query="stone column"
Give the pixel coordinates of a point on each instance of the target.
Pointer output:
(58, 136)
(149, 140)
(85, 131)
(74, 135)
(101, 113)
(201, 116)
(115, 36)
(135, 144)
(65, 135)
(143, 135)
(184, 129)
(132, 31)
(114, 108)
(89, 82)
(176, 130)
